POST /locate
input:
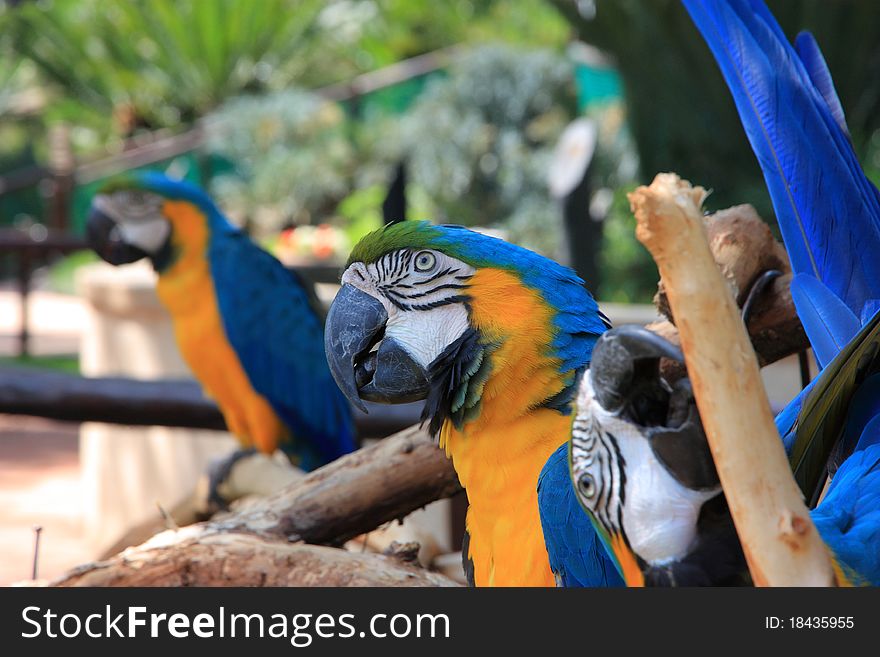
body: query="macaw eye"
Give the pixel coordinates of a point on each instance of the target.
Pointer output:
(425, 261)
(586, 485)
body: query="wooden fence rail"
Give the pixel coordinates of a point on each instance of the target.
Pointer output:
(171, 403)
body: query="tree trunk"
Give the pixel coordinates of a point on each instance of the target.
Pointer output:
(203, 556)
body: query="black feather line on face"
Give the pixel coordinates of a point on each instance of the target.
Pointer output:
(165, 257)
(448, 378)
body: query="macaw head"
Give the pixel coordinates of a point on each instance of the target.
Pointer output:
(429, 312)
(135, 216)
(640, 463)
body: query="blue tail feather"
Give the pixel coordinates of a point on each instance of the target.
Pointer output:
(828, 322)
(824, 204)
(817, 68)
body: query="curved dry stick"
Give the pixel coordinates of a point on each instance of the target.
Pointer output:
(780, 542)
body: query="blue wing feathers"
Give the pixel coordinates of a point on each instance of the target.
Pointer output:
(577, 555)
(829, 215)
(848, 519)
(824, 203)
(828, 322)
(817, 69)
(278, 338)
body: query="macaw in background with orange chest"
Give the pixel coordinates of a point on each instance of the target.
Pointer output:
(495, 338)
(245, 325)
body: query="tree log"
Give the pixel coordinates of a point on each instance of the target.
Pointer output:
(774, 329)
(201, 557)
(743, 248)
(780, 542)
(254, 545)
(354, 494)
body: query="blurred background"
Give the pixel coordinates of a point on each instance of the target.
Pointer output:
(312, 122)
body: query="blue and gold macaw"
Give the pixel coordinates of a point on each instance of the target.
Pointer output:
(245, 325)
(828, 213)
(495, 339)
(643, 471)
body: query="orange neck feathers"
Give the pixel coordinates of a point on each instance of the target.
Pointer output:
(499, 455)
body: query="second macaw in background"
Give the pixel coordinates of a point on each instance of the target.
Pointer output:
(245, 325)
(495, 338)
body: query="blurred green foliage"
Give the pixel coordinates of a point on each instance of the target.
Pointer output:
(66, 364)
(629, 274)
(293, 154)
(158, 63)
(479, 141)
(680, 111)
(116, 66)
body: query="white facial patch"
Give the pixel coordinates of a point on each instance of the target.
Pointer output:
(425, 309)
(659, 514)
(141, 225)
(425, 334)
(147, 234)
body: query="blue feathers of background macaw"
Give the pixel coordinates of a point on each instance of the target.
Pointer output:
(276, 333)
(577, 555)
(829, 215)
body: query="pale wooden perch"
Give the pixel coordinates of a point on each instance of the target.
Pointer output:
(197, 556)
(780, 542)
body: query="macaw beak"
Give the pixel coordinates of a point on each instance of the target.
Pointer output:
(104, 237)
(365, 363)
(625, 372)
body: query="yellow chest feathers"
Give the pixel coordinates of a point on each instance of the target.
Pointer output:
(186, 288)
(499, 455)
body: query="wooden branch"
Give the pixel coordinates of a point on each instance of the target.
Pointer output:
(196, 558)
(356, 493)
(780, 542)
(253, 475)
(775, 329)
(170, 403)
(349, 497)
(743, 248)
(72, 398)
